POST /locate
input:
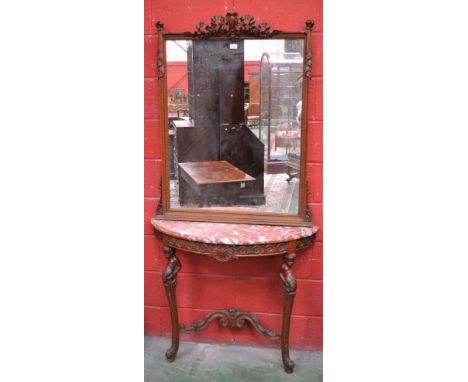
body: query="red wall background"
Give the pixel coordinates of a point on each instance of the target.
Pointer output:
(249, 284)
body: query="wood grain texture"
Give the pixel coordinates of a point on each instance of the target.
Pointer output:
(211, 172)
(232, 23)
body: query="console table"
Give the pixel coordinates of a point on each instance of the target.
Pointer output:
(225, 242)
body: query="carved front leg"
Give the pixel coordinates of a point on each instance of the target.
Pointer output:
(289, 289)
(169, 277)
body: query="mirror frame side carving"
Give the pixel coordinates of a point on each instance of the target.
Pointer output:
(231, 27)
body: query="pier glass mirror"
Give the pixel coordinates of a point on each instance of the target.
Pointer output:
(234, 99)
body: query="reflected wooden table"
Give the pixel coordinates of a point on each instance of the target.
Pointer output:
(212, 182)
(225, 242)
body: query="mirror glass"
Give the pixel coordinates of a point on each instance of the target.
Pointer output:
(234, 123)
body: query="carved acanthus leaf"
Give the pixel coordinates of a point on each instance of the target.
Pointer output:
(232, 25)
(169, 275)
(227, 252)
(289, 280)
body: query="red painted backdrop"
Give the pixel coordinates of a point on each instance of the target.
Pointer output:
(250, 284)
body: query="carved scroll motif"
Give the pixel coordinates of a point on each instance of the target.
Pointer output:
(159, 210)
(308, 64)
(169, 252)
(232, 25)
(226, 252)
(289, 280)
(232, 318)
(169, 275)
(219, 252)
(308, 57)
(160, 64)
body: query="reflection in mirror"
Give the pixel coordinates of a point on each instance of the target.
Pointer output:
(234, 122)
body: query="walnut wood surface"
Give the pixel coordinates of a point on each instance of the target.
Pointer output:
(289, 289)
(224, 29)
(233, 26)
(232, 318)
(210, 172)
(169, 277)
(229, 252)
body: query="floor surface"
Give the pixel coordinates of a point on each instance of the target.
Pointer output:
(281, 196)
(226, 363)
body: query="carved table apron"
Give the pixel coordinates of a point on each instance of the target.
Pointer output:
(225, 242)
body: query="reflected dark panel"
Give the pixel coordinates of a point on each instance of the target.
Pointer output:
(234, 123)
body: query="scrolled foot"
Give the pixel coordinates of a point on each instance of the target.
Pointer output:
(171, 353)
(288, 366)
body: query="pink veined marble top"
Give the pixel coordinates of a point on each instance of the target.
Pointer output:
(231, 234)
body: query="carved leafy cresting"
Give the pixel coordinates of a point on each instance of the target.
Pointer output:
(232, 318)
(232, 25)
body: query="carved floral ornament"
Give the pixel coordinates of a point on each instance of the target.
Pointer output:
(228, 252)
(233, 25)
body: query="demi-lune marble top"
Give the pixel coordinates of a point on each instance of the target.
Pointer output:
(231, 234)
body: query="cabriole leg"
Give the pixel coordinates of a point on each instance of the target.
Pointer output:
(289, 289)
(169, 277)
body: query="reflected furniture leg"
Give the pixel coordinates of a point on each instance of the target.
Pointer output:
(169, 277)
(289, 290)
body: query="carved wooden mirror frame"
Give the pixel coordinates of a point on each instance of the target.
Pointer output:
(231, 27)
